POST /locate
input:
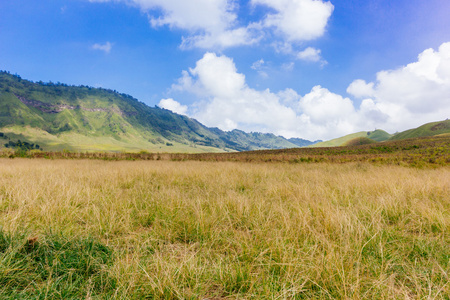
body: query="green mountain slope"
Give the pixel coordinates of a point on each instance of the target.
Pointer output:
(429, 129)
(377, 135)
(82, 118)
(359, 141)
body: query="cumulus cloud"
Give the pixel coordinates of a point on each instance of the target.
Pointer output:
(399, 99)
(360, 89)
(312, 55)
(215, 24)
(297, 20)
(106, 47)
(209, 23)
(229, 103)
(173, 106)
(408, 96)
(309, 54)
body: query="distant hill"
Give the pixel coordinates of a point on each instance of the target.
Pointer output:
(359, 141)
(429, 129)
(57, 116)
(377, 135)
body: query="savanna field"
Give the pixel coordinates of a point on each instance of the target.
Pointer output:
(100, 229)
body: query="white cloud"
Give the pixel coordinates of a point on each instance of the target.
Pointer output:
(229, 103)
(288, 66)
(360, 89)
(309, 54)
(312, 55)
(320, 105)
(106, 47)
(215, 24)
(210, 23)
(173, 106)
(400, 99)
(408, 96)
(297, 20)
(221, 39)
(257, 64)
(260, 68)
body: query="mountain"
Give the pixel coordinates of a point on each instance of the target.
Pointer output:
(429, 129)
(377, 135)
(365, 137)
(57, 116)
(359, 141)
(303, 143)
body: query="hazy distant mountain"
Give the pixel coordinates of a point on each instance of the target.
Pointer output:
(83, 118)
(302, 143)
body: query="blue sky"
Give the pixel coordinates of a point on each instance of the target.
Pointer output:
(306, 68)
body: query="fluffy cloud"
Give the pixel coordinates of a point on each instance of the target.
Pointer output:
(398, 100)
(106, 47)
(173, 106)
(416, 93)
(312, 55)
(210, 23)
(360, 89)
(215, 24)
(229, 103)
(309, 54)
(297, 20)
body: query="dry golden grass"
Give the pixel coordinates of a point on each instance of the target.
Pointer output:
(197, 230)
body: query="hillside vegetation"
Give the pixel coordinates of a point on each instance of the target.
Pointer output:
(377, 135)
(429, 129)
(418, 152)
(81, 118)
(359, 141)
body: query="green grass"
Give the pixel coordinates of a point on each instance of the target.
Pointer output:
(377, 135)
(359, 141)
(73, 141)
(429, 129)
(53, 267)
(419, 152)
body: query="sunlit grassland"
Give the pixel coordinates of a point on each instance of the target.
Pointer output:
(194, 230)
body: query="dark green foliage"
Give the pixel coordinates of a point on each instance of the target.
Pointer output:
(21, 145)
(53, 266)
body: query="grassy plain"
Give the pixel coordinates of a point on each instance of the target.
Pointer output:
(94, 229)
